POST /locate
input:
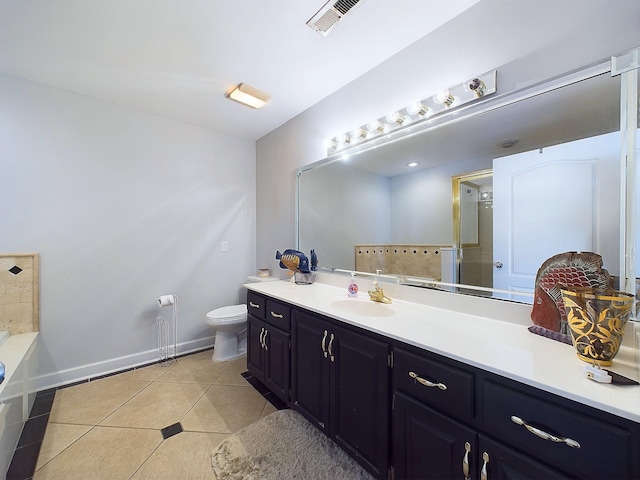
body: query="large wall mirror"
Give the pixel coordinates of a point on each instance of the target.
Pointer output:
(497, 189)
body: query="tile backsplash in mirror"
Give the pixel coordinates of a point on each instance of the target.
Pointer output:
(407, 260)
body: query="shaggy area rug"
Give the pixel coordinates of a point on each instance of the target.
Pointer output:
(280, 446)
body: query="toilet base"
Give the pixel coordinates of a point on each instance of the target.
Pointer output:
(227, 347)
(227, 359)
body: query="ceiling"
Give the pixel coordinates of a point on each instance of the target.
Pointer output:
(176, 58)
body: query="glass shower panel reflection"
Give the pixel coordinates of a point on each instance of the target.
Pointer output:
(476, 232)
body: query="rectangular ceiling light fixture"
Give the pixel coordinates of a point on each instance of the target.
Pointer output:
(330, 14)
(248, 95)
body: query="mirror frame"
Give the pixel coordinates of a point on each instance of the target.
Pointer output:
(628, 129)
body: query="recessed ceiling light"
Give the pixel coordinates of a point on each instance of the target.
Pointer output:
(412, 164)
(248, 95)
(507, 143)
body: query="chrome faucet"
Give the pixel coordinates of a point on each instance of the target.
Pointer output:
(377, 295)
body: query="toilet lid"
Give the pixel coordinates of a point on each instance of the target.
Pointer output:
(229, 313)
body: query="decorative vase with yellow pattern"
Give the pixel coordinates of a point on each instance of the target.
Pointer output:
(597, 319)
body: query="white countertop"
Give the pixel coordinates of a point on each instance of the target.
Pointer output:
(485, 333)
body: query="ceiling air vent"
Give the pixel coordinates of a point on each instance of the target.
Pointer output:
(330, 14)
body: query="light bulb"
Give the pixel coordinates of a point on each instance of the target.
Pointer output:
(444, 97)
(476, 86)
(358, 134)
(375, 126)
(344, 140)
(395, 117)
(419, 108)
(331, 143)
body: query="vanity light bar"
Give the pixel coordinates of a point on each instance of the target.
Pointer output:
(439, 104)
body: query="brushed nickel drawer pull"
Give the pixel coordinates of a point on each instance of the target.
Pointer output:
(254, 305)
(485, 462)
(465, 461)
(427, 383)
(262, 330)
(276, 315)
(266, 332)
(324, 348)
(545, 435)
(330, 344)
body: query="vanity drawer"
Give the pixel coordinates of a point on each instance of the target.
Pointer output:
(256, 305)
(604, 449)
(452, 390)
(278, 314)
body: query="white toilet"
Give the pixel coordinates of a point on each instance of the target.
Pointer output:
(230, 324)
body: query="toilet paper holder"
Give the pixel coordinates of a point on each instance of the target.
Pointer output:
(166, 300)
(162, 328)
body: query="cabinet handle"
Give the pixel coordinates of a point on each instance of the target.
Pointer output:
(485, 462)
(545, 435)
(324, 348)
(465, 461)
(331, 343)
(254, 305)
(427, 383)
(276, 315)
(262, 330)
(266, 332)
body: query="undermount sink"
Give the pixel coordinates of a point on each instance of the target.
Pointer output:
(364, 307)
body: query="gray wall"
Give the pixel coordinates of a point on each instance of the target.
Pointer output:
(343, 207)
(123, 207)
(421, 204)
(526, 41)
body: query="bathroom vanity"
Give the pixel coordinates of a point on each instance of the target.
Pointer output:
(438, 385)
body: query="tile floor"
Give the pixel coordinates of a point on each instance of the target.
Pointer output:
(156, 422)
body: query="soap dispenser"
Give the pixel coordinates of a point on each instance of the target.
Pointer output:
(352, 290)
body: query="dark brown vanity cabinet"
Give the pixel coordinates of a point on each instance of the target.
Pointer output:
(430, 398)
(427, 444)
(450, 420)
(340, 382)
(498, 462)
(268, 343)
(406, 413)
(577, 440)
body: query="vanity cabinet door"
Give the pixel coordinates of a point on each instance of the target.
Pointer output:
(360, 409)
(310, 379)
(268, 356)
(277, 362)
(498, 462)
(428, 445)
(255, 357)
(340, 382)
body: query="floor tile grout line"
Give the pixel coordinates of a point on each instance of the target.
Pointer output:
(123, 404)
(53, 391)
(180, 422)
(61, 451)
(147, 459)
(219, 378)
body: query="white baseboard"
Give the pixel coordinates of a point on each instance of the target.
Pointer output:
(112, 365)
